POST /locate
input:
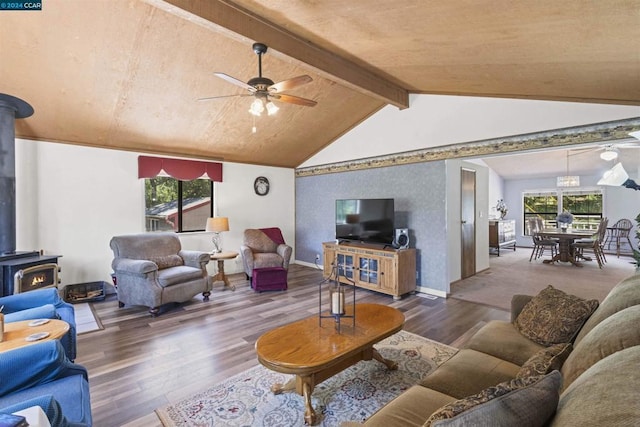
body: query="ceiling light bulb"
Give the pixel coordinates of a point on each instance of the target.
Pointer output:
(257, 107)
(609, 154)
(271, 108)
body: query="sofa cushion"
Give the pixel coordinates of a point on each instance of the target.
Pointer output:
(617, 332)
(625, 294)
(521, 402)
(469, 372)
(410, 409)
(546, 360)
(553, 316)
(180, 274)
(606, 394)
(500, 339)
(167, 261)
(72, 393)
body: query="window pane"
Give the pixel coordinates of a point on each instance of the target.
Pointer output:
(196, 204)
(161, 204)
(586, 209)
(543, 206)
(173, 205)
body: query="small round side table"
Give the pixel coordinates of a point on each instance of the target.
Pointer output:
(220, 257)
(15, 333)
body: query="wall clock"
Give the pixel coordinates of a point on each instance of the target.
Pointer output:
(261, 186)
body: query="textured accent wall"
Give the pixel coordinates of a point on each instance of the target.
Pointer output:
(420, 203)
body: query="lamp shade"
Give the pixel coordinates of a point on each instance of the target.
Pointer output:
(615, 176)
(217, 224)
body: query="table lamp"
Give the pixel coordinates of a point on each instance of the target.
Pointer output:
(216, 225)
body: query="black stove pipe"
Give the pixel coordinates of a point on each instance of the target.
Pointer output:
(11, 108)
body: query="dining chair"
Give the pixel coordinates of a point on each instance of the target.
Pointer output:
(618, 234)
(594, 245)
(539, 243)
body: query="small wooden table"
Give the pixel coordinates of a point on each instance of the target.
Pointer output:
(565, 239)
(220, 257)
(16, 332)
(315, 351)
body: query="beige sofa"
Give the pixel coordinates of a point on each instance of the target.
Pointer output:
(599, 383)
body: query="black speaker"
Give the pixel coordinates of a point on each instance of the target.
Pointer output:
(402, 238)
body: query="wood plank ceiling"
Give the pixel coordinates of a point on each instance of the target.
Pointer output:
(126, 74)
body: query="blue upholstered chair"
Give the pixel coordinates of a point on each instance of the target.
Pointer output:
(40, 374)
(42, 304)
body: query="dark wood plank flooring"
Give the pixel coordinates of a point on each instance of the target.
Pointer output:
(138, 363)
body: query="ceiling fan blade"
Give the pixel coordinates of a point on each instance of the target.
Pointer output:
(235, 81)
(628, 144)
(290, 83)
(224, 96)
(293, 100)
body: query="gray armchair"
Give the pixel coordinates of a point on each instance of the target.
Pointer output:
(262, 248)
(151, 269)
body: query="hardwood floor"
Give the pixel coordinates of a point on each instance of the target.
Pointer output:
(138, 363)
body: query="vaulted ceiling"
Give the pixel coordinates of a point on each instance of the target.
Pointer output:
(127, 74)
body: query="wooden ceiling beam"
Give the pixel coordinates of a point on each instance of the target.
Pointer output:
(240, 21)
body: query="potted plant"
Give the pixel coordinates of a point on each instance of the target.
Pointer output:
(564, 219)
(502, 208)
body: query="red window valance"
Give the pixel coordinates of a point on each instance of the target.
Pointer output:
(185, 170)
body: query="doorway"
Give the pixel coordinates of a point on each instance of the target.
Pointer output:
(468, 222)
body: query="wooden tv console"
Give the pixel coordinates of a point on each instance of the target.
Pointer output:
(389, 271)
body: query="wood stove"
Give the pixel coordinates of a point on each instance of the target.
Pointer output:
(25, 271)
(36, 277)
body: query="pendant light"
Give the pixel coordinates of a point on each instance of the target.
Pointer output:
(568, 180)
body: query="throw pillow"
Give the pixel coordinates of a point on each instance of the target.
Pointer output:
(167, 261)
(522, 402)
(553, 316)
(546, 360)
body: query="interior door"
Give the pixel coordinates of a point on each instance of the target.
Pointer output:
(468, 221)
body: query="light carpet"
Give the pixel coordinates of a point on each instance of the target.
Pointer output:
(352, 395)
(511, 273)
(86, 319)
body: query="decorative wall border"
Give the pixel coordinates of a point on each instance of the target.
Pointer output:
(589, 134)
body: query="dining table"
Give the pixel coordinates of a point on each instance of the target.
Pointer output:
(565, 238)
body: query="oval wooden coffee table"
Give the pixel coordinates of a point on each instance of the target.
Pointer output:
(314, 352)
(16, 333)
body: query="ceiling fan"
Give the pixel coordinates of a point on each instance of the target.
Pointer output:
(610, 151)
(265, 90)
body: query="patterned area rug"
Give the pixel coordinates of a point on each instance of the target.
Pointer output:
(352, 395)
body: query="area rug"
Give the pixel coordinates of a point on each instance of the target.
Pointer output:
(352, 395)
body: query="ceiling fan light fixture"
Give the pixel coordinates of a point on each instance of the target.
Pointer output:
(271, 108)
(609, 154)
(257, 107)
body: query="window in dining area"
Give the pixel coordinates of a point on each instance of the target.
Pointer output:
(585, 205)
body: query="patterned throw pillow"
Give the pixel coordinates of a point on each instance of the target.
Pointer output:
(167, 261)
(554, 317)
(522, 402)
(546, 360)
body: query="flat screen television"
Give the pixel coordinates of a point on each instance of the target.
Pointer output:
(365, 220)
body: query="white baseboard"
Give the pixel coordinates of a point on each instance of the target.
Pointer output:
(308, 264)
(436, 292)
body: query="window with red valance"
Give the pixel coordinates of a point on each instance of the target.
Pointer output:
(185, 170)
(182, 201)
